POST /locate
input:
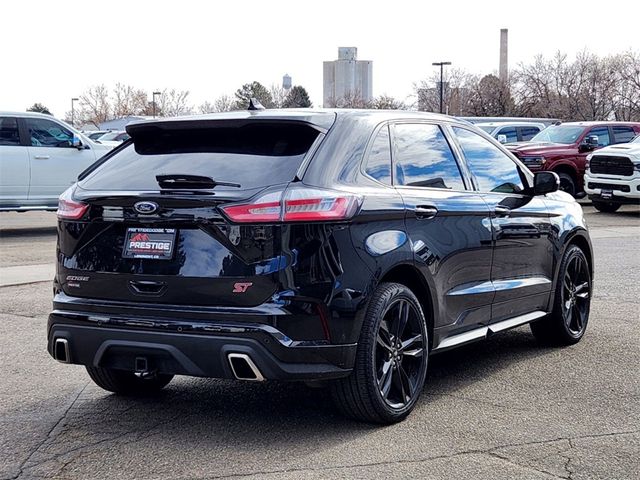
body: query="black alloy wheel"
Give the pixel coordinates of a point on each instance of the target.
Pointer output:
(576, 290)
(399, 351)
(391, 361)
(567, 322)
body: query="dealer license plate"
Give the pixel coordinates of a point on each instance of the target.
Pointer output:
(153, 243)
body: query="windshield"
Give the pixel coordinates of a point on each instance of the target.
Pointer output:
(566, 134)
(111, 136)
(486, 128)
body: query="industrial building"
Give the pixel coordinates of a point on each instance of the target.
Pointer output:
(347, 77)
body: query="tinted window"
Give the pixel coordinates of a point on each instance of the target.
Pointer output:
(9, 131)
(623, 134)
(528, 133)
(510, 133)
(424, 158)
(565, 134)
(253, 155)
(492, 168)
(603, 135)
(379, 160)
(45, 133)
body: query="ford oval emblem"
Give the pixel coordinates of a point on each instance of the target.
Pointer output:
(146, 207)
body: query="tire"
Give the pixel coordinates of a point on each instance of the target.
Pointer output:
(390, 368)
(567, 184)
(567, 322)
(606, 207)
(127, 383)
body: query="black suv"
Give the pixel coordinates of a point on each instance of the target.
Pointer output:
(340, 247)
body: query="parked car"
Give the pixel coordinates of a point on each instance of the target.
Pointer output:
(563, 148)
(508, 132)
(114, 138)
(40, 157)
(342, 247)
(96, 134)
(612, 178)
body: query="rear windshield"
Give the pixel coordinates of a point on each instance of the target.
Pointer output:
(252, 155)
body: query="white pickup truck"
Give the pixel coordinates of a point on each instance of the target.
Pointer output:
(612, 176)
(40, 157)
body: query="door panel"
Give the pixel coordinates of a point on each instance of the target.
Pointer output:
(55, 164)
(14, 163)
(522, 266)
(449, 227)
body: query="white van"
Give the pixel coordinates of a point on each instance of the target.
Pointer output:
(40, 157)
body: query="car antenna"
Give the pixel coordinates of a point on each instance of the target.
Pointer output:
(254, 104)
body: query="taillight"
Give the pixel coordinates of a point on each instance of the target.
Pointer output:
(68, 208)
(296, 204)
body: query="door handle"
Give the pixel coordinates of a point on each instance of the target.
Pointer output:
(424, 211)
(41, 157)
(502, 211)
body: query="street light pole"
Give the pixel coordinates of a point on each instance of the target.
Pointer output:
(441, 65)
(73, 100)
(154, 102)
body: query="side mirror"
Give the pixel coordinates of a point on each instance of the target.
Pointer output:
(589, 143)
(545, 182)
(77, 143)
(502, 138)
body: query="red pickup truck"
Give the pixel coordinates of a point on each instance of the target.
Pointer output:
(563, 148)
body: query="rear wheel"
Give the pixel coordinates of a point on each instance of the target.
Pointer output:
(606, 207)
(391, 361)
(127, 383)
(568, 321)
(567, 184)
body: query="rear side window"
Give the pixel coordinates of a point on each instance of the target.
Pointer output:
(379, 160)
(527, 133)
(623, 134)
(253, 155)
(510, 133)
(492, 168)
(9, 131)
(424, 158)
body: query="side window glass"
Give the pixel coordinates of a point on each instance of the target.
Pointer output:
(9, 131)
(623, 134)
(424, 158)
(603, 135)
(528, 133)
(379, 160)
(510, 133)
(492, 168)
(45, 133)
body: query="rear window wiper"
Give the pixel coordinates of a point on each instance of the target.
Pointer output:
(194, 182)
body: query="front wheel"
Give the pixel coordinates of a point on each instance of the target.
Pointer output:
(566, 324)
(606, 207)
(391, 360)
(127, 383)
(567, 184)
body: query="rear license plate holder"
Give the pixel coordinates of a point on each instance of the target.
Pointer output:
(150, 243)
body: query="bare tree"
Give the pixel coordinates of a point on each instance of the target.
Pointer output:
(387, 102)
(128, 100)
(174, 103)
(93, 107)
(224, 103)
(351, 99)
(456, 89)
(278, 95)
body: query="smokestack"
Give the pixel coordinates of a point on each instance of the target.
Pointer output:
(503, 72)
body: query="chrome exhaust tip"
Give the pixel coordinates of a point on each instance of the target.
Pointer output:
(243, 367)
(61, 350)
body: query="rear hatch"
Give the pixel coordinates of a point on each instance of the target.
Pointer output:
(154, 231)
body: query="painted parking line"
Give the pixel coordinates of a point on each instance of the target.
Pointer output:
(21, 274)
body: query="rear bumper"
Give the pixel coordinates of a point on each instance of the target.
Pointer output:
(112, 342)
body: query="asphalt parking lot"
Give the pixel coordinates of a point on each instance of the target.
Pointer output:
(504, 408)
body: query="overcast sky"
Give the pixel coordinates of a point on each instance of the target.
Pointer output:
(53, 50)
